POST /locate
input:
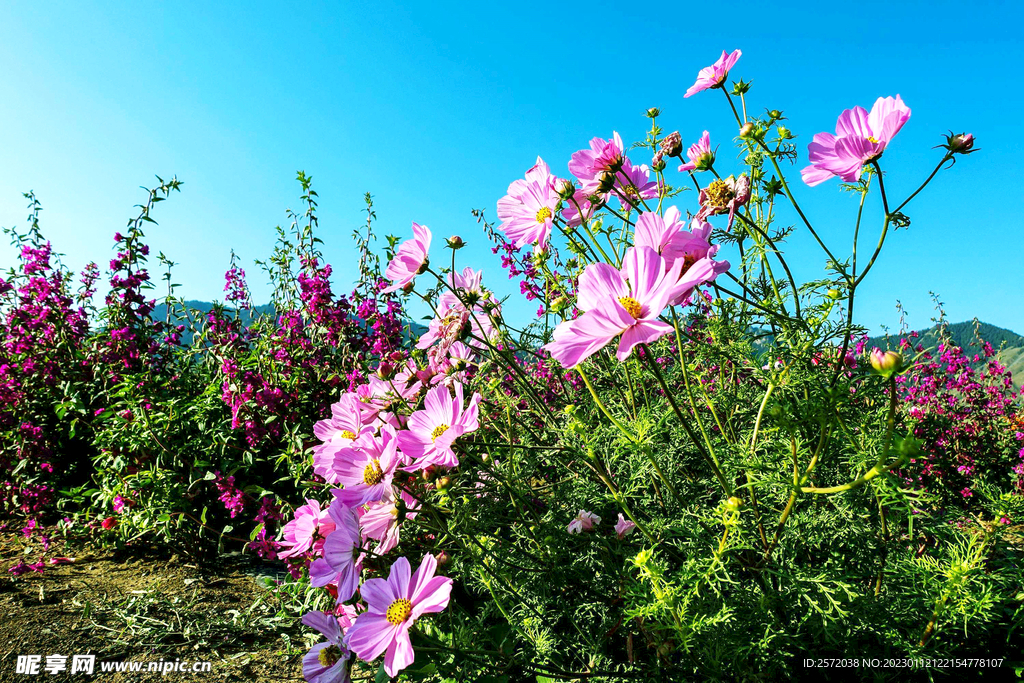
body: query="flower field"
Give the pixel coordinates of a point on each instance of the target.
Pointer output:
(683, 467)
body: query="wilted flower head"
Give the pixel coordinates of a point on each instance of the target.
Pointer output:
(724, 196)
(624, 527)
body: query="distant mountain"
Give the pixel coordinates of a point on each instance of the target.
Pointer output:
(1009, 345)
(248, 317)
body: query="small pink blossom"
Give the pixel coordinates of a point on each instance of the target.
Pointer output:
(431, 432)
(714, 76)
(624, 527)
(584, 521)
(700, 155)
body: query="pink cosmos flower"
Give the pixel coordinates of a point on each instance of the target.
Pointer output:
(392, 606)
(432, 431)
(584, 521)
(410, 259)
(343, 427)
(624, 527)
(326, 662)
(451, 368)
(307, 529)
(699, 154)
(367, 467)
(667, 236)
(860, 138)
(528, 210)
(604, 156)
(626, 303)
(343, 556)
(723, 195)
(633, 184)
(379, 520)
(714, 76)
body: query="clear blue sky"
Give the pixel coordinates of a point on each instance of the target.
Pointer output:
(435, 107)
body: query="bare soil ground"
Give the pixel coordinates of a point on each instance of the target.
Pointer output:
(145, 605)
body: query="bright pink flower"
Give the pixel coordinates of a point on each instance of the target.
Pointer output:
(392, 606)
(108, 523)
(626, 302)
(667, 236)
(700, 154)
(367, 467)
(714, 76)
(624, 527)
(343, 553)
(410, 259)
(584, 521)
(431, 432)
(860, 138)
(306, 530)
(326, 662)
(604, 156)
(528, 210)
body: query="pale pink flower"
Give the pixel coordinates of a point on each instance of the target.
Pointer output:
(367, 467)
(860, 139)
(339, 431)
(392, 606)
(431, 432)
(624, 527)
(714, 76)
(604, 156)
(584, 521)
(528, 210)
(633, 184)
(626, 303)
(410, 259)
(379, 520)
(306, 530)
(326, 662)
(343, 553)
(668, 236)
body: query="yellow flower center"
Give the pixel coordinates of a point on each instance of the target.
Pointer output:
(399, 611)
(329, 656)
(543, 214)
(718, 194)
(871, 139)
(438, 431)
(631, 305)
(345, 434)
(373, 474)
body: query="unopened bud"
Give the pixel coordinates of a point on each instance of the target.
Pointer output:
(559, 304)
(733, 504)
(443, 558)
(566, 190)
(442, 483)
(606, 181)
(785, 133)
(885, 363)
(961, 143)
(747, 130)
(653, 112)
(455, 242)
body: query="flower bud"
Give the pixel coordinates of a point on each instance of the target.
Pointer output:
(672, 144)
(443, 558)
(833, 294)
(385, 369)
(961, 143)
(455, 242)
(442, 483)
(559, 304)
(785, 133)
(605, 182)
(566, 189)
(659, 163)
(653, 112)
(885, 363)
(775, 114)
(747, 130)
(733, 504)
